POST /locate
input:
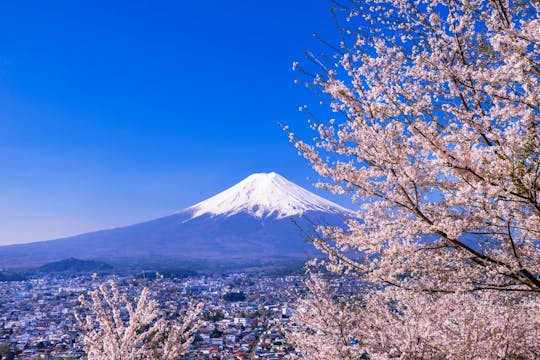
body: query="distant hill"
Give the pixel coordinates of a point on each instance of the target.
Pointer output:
(73, 265)
(11, 276)
(261, 222)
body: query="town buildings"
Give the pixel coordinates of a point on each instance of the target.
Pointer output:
(245, 315)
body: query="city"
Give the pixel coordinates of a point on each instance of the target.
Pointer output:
(37, 316)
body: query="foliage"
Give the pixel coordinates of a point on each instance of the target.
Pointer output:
(5, 352)
(216, 334)
(234, 296)
(214, 316)
(117, 328)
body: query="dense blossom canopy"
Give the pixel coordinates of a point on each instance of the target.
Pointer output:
(437, 138)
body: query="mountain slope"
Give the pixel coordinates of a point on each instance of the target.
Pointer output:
(73, 265)
(262, 217)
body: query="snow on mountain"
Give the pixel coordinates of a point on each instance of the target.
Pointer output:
(263, 195)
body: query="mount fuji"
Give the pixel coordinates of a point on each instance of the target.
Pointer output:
(262, 219)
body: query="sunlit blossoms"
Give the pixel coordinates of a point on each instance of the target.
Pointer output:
(119, 329)
(437, 138)
(397, 324)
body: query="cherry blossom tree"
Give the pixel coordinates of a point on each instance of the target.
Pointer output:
(116, 328)
(436, 137)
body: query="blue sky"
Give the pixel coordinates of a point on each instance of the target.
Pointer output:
(117, 112)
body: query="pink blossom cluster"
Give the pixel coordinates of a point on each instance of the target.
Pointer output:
(143, 334)
(436, 137)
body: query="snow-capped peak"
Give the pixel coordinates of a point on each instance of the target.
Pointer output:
(262, 195)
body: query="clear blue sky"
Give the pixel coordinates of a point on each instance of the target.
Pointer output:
(115, 112)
